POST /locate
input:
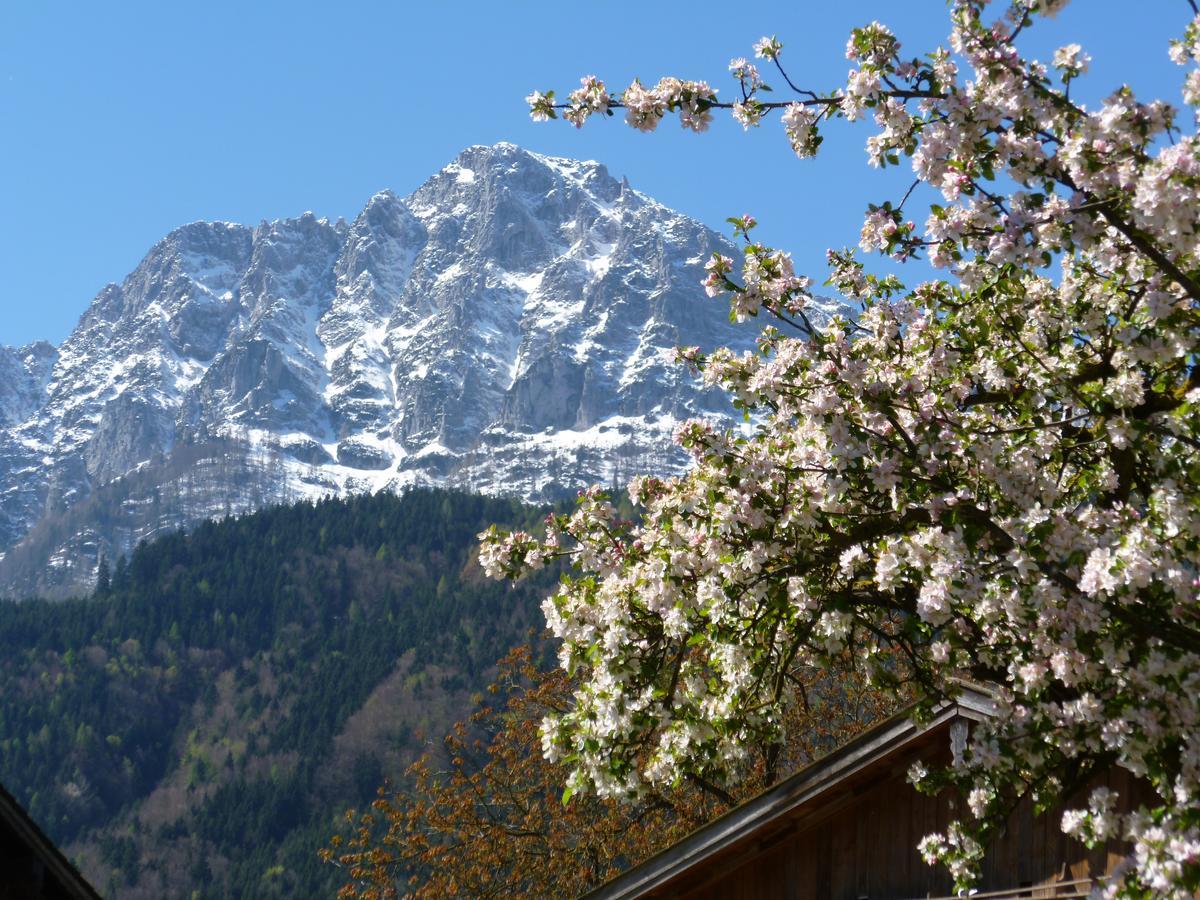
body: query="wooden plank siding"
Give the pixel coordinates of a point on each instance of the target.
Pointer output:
(847, 828)
(867, 849)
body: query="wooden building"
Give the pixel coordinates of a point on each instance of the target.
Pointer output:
(31, 867)
(847, 827)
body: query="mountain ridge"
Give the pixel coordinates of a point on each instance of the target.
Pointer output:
(503, 329)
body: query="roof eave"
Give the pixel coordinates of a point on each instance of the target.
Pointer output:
(890, 736)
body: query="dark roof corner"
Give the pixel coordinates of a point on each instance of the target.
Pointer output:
(31, 867)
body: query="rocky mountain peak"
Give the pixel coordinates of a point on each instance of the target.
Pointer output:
(505, 328)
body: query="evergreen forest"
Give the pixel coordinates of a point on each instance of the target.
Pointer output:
(199, 724)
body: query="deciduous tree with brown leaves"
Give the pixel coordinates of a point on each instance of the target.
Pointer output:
(493, 822)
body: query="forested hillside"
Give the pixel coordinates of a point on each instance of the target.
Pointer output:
(195, 727)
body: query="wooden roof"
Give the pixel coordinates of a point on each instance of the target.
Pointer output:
(31, 867)
(809, 792)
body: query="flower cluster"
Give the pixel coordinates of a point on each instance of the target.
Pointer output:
(590, 97)
(767, 48)
(996, 474)
(745, 72)
(799, 122)
(1071, 61)
(693, 100)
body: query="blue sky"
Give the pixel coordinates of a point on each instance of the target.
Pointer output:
(123, 120)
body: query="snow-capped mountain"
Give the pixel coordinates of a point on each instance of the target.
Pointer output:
(505, 328)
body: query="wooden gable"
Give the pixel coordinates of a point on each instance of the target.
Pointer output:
(847, 827)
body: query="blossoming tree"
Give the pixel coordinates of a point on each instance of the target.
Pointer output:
(992, 476)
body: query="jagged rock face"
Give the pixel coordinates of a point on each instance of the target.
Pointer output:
(24, 379)
(24, 373)
(505, 328)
